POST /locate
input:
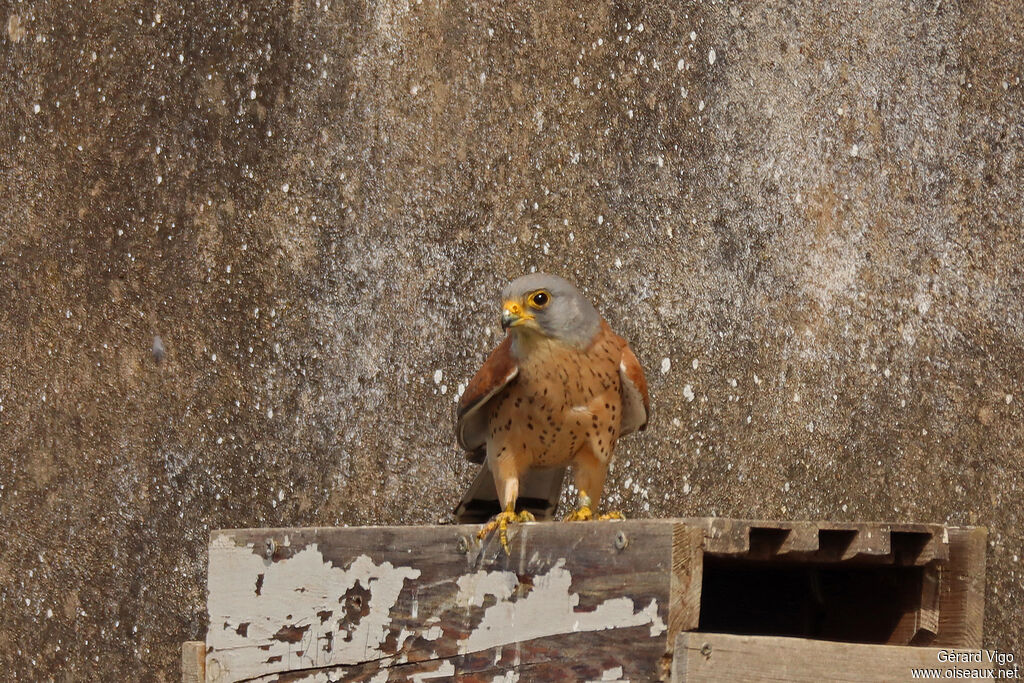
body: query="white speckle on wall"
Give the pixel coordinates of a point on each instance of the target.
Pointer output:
(666, 365)
(712, 56)
(688, 393)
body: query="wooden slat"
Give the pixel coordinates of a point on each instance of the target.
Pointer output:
(719, 657)
(193, 661)
(685, 585)
(552, 658)
(962, 589)
(806, 541)
(393, 603)
(374, 603)
(919, 622)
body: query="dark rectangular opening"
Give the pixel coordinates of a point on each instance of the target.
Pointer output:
(908, 545)
(845, 602)
(766, 541)
(833, 543)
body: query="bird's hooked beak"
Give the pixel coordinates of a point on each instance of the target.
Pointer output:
(513, 315)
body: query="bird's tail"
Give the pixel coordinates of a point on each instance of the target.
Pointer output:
(539, 491)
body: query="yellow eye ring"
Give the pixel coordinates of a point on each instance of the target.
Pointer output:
(539, 299)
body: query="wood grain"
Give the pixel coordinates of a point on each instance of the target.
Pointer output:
(811, 541)
(718, 657)
(589, 601)
(962, 589)
(384, 603)
(193, 661)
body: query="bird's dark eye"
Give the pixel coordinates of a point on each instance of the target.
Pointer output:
(540, 299)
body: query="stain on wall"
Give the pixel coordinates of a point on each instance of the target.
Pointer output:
(806, 220)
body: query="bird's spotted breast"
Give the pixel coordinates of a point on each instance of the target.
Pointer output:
(563, 400)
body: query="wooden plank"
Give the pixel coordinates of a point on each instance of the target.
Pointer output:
(552, 658)
(962, 589)
(719, 657)
(393, 603)
(919, 622)
(193, 661)
(390, 603)
(685, 585)
(807, 541)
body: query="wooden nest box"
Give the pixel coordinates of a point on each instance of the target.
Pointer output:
(641, 600)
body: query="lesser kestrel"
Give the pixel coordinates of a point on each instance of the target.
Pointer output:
(559, 390)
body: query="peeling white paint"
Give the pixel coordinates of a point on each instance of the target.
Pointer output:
(614, 675)
(446, 669)
(548, 609)
(473, 588)
(290, 592)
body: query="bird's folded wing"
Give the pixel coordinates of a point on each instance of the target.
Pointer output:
(497, 372)
(636, 404)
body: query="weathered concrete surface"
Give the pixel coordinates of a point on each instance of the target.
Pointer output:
(814, 214)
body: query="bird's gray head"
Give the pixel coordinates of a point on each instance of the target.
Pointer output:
(551, 307)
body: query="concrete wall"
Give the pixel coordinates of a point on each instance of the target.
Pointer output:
(807, 218)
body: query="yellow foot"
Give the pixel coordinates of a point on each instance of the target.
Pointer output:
(581, 514)
(501, 521)
(584, 514)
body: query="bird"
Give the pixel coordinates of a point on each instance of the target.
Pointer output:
(559, 390)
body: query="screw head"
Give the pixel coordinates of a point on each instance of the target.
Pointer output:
(621, 541)
(705, 650)
(463, 545)
(270, 547)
